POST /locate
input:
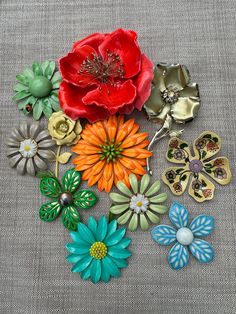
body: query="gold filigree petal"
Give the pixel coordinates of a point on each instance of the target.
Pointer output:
(176, 178)
(206, 145)
(219, 170)
(178, 151)
(185, 109)
(201, 189)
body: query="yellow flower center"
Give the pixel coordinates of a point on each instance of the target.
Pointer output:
(27, 148)
(63, 127)
(139, 204)
(98, 250)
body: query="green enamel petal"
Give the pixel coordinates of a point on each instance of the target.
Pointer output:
(71, 180)
(22, 103)
(37, 69)
(118, 209)
(47, 109)
(44, 66)
(20, 88)
(158, 198)
(160, 209)
(144, 183)
(49, 211)
(125, 217)
(119, 198)
(154, 188)
(85, 199)
(143, 222)
(28, 74)
(133, 224)
(56, 85)
(55, 105)
(50, 187)
(70, 218)
(56, 78)
(22, 79)
(21, 95)
(134, 182)
(50, 69)
(123, 188)
(38, 110)
(154, 218)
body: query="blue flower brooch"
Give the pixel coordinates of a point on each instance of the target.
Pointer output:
(186, 237)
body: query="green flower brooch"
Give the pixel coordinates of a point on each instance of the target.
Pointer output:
(66, 199)
(37, 90)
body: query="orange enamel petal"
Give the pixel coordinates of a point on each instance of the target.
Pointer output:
(98, 167)
(91, 138)
(93, 179)
(118, 169)
(86, 174)
(134, 129)
(133, 140)
(107, 172)
(137, 153)
(127, 162)
(124, 130)
(112, 127)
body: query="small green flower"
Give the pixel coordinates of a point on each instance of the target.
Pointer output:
(138, 205)
(66, 199)
(37, 89)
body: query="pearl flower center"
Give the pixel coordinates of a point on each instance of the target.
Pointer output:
(184, 236)
(139, 203)
(28, 148)
(98, 250)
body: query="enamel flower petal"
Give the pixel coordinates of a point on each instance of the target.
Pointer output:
(185, 236)
(195, 169)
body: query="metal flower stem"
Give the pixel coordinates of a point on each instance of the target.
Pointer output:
(57, 163)
(157, 136)
(164, 131)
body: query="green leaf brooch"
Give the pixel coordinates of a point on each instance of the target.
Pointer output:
(37, 90)
(66, 199)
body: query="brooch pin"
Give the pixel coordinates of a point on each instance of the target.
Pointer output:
(185, 236)
(173, 98)
(199, 166)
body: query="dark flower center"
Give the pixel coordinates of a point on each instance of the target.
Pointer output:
(66, 199)
(170, 95)
(110, 151)
(105, 71)
(195, 165)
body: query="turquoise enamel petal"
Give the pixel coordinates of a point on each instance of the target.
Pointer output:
(92, 225)
(102, 229)
(85, 233)
(77, 248)
(119, 253)
(85, 274)
(95, 273)
(121, 263)
(75, 236)
(123, 243)
(74, 258)
(115, 237)
(110, 266)
(82, 264)
(111, 228)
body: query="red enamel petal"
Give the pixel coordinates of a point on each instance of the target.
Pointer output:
(122, 42)
(70, 97)
(111, 97)
(143, 82)
(93, 40)
(70, 65)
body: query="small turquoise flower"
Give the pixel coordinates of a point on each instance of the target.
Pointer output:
(186, 237)
(98, 250)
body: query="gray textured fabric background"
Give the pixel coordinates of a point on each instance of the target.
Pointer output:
(35, 277)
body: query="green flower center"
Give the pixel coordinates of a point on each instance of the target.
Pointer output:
(98, 250)
(110, 151)
(40, 86)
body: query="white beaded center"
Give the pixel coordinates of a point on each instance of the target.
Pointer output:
(184, 236)
(139, 203)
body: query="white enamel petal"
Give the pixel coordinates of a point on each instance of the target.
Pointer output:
(14, 160)
(40, 164)
(42, 135)
(30, 167)
(24, 129)
(20, 168)
(46, 153)
(34, 128)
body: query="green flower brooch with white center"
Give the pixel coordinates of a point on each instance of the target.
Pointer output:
(37, 90)
(199, 166)
(66, 199)
(138, 205)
